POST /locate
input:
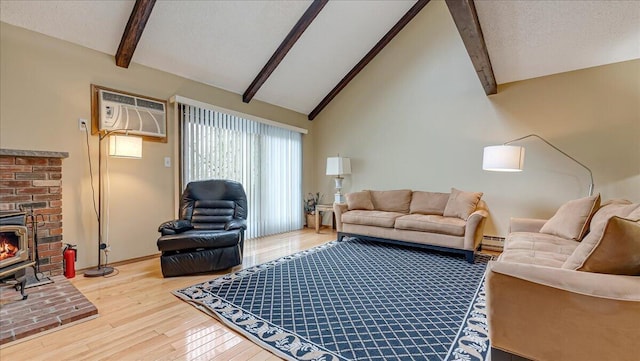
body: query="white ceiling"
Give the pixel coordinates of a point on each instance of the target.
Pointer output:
(527, 39)
(226, 43)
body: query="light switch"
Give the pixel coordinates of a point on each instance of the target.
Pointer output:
(167, 162)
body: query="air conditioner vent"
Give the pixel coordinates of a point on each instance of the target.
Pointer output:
(141, 116)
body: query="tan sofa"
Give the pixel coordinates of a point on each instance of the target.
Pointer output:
(568, 288)
(444, 221)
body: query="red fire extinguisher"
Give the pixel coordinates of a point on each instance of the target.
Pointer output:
(70, 256)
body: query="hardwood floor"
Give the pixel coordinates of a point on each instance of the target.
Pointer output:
(141, 320)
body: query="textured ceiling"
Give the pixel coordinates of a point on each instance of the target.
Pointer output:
(528, 39)
(226, 43)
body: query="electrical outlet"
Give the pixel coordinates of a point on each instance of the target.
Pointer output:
(167, 162)
(82, 124)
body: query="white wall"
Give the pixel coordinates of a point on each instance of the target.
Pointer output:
(417, 117)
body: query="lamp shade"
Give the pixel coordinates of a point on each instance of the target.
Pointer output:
(125, 146)
(503, 158)
(338, 166)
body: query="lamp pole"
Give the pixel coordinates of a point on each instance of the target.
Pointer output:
(101, 270)
(561, 151)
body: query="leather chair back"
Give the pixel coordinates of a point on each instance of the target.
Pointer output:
(210, 204)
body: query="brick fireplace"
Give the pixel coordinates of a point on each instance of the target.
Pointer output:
(32, 181)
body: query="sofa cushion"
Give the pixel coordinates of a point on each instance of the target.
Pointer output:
(540, 242)
(615, 250)
(571, 221)
(371, 218)
(428, 202)
(540, 258)
(461, 204)
(432, 223)
(359, 200)
(391, 201)
(537, 248)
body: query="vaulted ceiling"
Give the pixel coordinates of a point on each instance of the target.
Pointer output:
(299, 54)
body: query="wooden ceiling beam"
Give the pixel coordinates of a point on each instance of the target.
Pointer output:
(286, 45)
(466, 19)
(406, 18)
(133, 31)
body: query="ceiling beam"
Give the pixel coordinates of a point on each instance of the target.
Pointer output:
(466, 19)
(283, 49)
(406, 18)
(133, 31)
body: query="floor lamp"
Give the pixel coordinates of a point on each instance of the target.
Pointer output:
(120, 146)
(510, 158)
(338, 166)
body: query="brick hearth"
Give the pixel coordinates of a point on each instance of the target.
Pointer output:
(33, 179)
(47, 307)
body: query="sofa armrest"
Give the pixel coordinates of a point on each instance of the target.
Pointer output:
(474, 229)
(338, 209)
(526, 224)
(545, 313)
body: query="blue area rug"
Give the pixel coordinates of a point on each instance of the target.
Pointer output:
(355, 300)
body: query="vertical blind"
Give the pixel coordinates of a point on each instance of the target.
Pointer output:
(266, 159)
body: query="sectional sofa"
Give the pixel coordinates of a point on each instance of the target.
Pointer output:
(568, 288)
(452, 222)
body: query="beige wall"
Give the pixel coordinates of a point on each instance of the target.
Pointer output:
(417, 117)
(45, 89)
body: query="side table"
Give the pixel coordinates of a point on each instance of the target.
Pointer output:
(324, 208)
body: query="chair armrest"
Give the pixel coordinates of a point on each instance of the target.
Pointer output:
(526, 224)
(174, 226)
(236, 224)
(474, 229)
(338, 209)
(545, 313)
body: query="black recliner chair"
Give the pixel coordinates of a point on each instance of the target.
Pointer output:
(209, 236)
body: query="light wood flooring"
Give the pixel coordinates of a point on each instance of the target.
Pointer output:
(141, 320)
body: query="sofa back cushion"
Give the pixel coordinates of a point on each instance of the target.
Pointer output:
(392, 201)
(616, 251)
(461, 204)
(571, 221)
(359, 200)
(428, 203)
(617, 207)
(634, 215)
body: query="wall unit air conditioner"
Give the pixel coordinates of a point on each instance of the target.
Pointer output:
(142, 116)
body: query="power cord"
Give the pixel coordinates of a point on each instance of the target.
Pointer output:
(106, 263)
(93, 190)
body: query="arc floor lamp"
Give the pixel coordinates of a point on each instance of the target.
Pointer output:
(510, 158)
(120, 146)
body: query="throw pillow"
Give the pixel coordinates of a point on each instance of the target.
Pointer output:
(359, 200)
(461, 204)
(428, 202)
(571, 221)
(617, 251)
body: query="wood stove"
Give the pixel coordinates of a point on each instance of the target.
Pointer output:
(14, 248)
(13, 245)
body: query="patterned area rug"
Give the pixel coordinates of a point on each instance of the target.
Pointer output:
(355, 300)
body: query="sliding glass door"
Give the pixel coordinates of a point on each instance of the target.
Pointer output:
(266, 159)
